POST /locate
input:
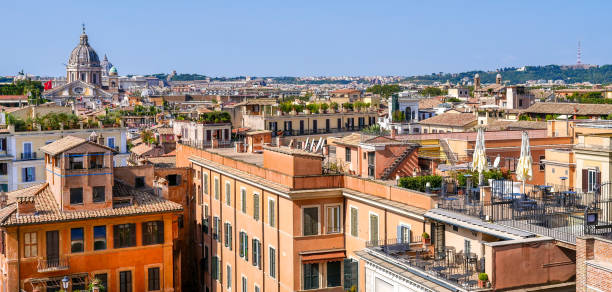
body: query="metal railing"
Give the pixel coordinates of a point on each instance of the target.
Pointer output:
(448, 267)
(53, 264)
(28, 155)
(562, 215)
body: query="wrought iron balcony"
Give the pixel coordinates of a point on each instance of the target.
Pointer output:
(28, 155)
(53, 264)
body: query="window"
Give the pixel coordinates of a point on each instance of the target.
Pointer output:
(205, 183)
(229, 277)
(542, 165)
(174, 179)
(124, 235)
(257, 288)
(228, 235)
(103, 280)
(256, 206)
(228, 196)
(467, 246)
(354, 222)
(217, 188)
(111, 142)
(153, 279)
(310, 221)
(3, 168)
(96, 160)
(351, 274)
(98, 194)
(243, 200)
(271, 217)
(27, 151)
(334, 274)
(125, 281)
(347, 154)
(30, 245)
(75, 161)
(244, 245)
(314, 126)
(311, 276)
(215, 268)
(272, 254)
(216, 228)
(256, 253)
(99, 237)
(373, 227)
(76, 195)
(139, 182)
(76, 240)
(403, 233)
(333, 219)
(152, 232)
(592, 180)
(28, 174)
(245, 284)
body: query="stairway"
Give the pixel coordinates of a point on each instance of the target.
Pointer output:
(450, 155)
(396, 163)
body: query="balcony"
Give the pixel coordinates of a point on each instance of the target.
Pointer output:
(28, 155)
(444, 266)
(53, 264)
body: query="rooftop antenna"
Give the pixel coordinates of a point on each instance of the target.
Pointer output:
(579, 55)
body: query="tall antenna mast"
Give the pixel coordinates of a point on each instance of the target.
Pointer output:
(579, 55)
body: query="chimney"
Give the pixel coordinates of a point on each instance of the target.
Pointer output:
(26, 205)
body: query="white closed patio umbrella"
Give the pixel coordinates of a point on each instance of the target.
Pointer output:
(524, 170)
(479, 158)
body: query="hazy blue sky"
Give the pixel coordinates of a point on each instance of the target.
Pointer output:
(287, 37)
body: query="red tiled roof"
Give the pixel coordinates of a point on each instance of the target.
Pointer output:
(450, 119)
(11, 97)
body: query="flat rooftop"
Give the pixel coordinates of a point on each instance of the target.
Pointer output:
(252, 158)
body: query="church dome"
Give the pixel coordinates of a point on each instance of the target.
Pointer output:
(112, 71)
(84, 54)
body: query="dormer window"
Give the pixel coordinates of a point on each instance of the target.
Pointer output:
(75, 161)
(96, 160)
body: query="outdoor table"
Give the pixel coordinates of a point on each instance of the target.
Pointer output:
(456, 277)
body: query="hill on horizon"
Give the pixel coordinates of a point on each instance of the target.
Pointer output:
(599, 74)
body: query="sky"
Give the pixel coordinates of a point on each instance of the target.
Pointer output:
(304, 38)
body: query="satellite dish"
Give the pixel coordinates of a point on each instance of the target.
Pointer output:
(496, 162)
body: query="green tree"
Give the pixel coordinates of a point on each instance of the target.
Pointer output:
(384, 90)
(432, 91)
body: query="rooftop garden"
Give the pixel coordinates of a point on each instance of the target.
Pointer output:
(49, 122)
(215, 117)
(323, 107)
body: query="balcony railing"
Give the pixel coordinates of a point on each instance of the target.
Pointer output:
(444, 266)
(53, 264)
(28, 155)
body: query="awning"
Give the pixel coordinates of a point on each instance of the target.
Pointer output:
(323, 256)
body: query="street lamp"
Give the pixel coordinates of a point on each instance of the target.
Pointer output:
(65, 282)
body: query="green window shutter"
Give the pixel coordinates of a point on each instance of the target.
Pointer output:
(354, 222)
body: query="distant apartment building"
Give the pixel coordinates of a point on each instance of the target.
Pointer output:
(341, 96)
(267, 117)
(459, 92)
(403, 115)
(21, 159)
(203, 134)
(376, 157)
(86, 221)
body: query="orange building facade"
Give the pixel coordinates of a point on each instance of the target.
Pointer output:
(85, 223)
(275, 222)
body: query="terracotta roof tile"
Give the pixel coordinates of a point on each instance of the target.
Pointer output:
(569, 108)
(450, 119)
(48, 210)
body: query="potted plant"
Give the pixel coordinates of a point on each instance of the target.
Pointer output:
(483, 279)
(426, 239)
